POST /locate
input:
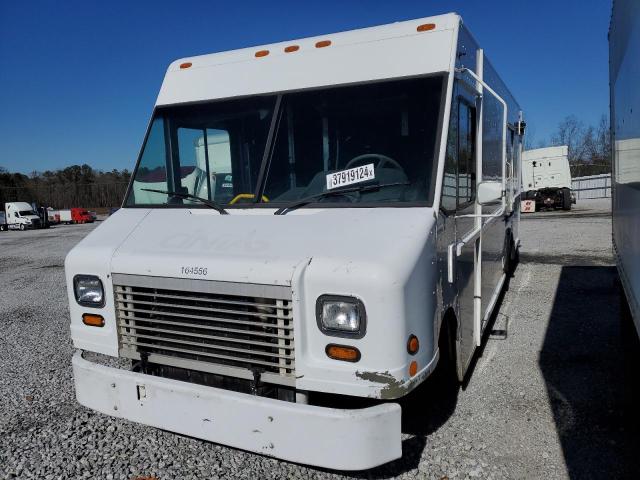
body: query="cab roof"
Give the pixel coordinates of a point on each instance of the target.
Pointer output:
(403, 49)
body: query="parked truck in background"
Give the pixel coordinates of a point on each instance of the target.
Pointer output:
(308, 221)
(42, 212)
(20, 216)
(53, 215)
(76, 215)
(624, 81)
(546, 178)
(81, 215)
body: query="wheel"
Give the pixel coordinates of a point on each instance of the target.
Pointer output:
(446, 372)
(2, 228)
(566, 199)
(22, 226)
(509, 255)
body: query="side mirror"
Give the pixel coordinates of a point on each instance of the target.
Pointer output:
(489, 192)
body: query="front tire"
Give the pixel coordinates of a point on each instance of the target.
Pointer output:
(22, 226)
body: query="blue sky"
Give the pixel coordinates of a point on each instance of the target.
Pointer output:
(78, 79)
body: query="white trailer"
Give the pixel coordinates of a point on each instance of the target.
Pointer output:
(65, 216)
(624, 73)
(365, 225)
(20, 216)
(546, 177)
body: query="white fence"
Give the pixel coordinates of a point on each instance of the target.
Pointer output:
(594, 186)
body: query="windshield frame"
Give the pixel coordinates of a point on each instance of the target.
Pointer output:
(267, 157)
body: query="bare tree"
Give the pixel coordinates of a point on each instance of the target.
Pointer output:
(571, 132)
(589, 146)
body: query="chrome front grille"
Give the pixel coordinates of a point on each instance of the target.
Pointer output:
(236, 330)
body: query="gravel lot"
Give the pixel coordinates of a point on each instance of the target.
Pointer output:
(543, 400)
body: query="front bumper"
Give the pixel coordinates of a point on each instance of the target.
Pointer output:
(324, 437)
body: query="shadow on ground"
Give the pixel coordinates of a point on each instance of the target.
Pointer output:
(582, 363)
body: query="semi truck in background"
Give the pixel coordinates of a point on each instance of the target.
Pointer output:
(20, 216)
(76, 215)
(624, 81)
(546, 178)
(343, 215)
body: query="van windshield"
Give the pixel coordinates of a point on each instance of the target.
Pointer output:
(271, 150)
(24, 213)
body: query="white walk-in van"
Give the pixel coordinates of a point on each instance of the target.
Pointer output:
(624, 72)
(318, 219)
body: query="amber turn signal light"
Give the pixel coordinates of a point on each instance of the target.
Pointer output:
(343, 352)
(185, 65)
(413, 345)
(92, 320)
(425, 27)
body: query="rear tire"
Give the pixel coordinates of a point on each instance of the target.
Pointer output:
(566, 199)
(509, 255)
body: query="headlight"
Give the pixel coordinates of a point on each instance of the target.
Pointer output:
(341, 316)
(88, 291)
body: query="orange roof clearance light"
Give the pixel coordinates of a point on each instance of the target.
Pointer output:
(291, 48)
(425, 27)
(323, 43)
(185, 65)
(262, 53)
(413, 368)
(343, 352)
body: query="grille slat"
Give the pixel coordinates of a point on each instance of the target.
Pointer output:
(206, 328)
(198, 317)
(213, 310)
(211, 346)
(206, 354)
(201, 299)
(140, 327)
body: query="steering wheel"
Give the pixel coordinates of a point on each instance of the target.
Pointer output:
(247, 196)
(382, 160)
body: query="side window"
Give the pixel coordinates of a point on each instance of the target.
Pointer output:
(466, 153)
(152, 171)
(459, 181)
(450, 180)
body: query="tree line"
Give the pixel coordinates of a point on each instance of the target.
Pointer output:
(74, 186)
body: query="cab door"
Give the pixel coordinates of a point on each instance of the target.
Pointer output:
(458, 202)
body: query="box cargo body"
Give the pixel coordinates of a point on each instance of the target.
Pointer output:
(310, 220)
(65, 216)
(546, 177)
(624, 72)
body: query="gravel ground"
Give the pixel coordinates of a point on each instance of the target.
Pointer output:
(543, 400)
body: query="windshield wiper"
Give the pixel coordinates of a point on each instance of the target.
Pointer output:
(204, 201)
(330, 193)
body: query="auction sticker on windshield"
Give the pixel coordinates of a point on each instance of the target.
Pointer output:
(349, 176)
